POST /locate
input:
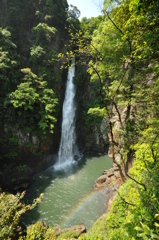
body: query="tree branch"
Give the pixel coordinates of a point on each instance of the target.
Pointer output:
(141, 184)
(132, 204)
(119, 116)
(127, 39)
(110, 126)
(152, 151)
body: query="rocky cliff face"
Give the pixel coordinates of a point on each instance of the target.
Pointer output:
(92, 134)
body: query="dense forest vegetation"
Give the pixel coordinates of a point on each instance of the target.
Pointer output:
(119, 51)
(31, 34)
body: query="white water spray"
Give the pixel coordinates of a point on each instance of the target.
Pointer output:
(68, 149)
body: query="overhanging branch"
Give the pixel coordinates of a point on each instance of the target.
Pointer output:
(127, 39)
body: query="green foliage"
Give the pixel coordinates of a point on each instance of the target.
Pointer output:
(40, 231)
(73, 12)
(11, 209)
(89, 25)
(44, 32)
(97, 112)
(9, 61)
(44, 28)
(134, 211)
(50, 234)
(145, 232)
(33, 96)
(69, 235)
(9, 147)
(36, 231)
(36, 53)
(25, 96)
(73, 15)
(29, 44)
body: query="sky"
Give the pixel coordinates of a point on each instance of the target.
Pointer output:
(88, 8)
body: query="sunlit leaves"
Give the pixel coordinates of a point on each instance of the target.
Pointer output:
(25, 96)
(97, 111)
(36, 52)
(33, 93)
(11, 209)
(44, 28)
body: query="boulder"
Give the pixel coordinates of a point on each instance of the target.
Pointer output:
(81, 228)
(23, 186)
(108, 177)
(102, 179)
(72, 232)
(16, 178)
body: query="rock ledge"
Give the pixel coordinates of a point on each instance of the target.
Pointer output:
(109, 177)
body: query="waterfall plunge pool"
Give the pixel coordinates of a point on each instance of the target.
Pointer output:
(69, 196)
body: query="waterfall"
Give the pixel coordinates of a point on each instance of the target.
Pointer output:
(68, 149)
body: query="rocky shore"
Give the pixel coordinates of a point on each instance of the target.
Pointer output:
(110, 180)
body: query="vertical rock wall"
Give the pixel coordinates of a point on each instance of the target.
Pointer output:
(92, 134)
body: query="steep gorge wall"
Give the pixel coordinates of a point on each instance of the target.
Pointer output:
(92, 133)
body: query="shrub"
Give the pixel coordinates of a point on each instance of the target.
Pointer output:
(11, 209)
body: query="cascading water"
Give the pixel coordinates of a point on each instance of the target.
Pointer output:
(68, 149)
(69, 197)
